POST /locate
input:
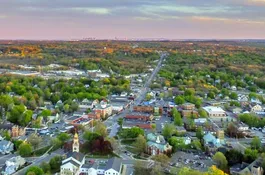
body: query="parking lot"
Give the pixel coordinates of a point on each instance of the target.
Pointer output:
(162, 122)
(199, 162)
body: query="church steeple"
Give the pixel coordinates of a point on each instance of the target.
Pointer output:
(76, 143)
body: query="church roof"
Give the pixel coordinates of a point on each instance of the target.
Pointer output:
(72, 162)
(76, 155)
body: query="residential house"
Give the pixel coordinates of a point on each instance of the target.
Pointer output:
(156, 144)
(255, 100)
(242, 98)
(12, 165)
(113, 167)
(186, 140)
(188, 113)
(188, 106)
(214, 103)
(59, 104)
(17, 131)
(181, 130)
(6, 147)
(255, 108)
(233, 88)
(103, 108)
(86, 105)
(211, 142)
(235, 109)
(213, 111)
(254, 168)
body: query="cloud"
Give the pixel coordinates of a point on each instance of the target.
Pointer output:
(230, 20)
(3, 16)
(92, 10)
(188, 9)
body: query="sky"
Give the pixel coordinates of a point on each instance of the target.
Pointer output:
(107, 19)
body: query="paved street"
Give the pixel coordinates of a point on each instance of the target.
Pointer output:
(4, 158)
(39, 160)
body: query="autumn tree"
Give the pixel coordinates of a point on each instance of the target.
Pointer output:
(34, 140)
(101, 129)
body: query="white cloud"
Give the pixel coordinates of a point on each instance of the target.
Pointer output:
(92, 10)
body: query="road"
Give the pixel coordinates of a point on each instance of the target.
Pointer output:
(4, 158)
(144, 90)
(111, 122)
(44, 158)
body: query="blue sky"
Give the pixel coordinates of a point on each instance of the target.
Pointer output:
(176, 19)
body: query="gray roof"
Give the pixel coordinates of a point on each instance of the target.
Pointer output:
(76, 155)
(72, 162)
(114, 163)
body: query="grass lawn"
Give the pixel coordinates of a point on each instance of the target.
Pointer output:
(127, 142)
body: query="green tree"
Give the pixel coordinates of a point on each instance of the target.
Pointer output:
(199, 133)
(202, 113)
(168, 130)
(66, 108)
(211, 95)
(16, 113)
(34, 170)
(140, 144)
(233, 96)
(45, 113)
(177, 143)
(17, 143)
(25, 118)
(90, 136)
(6, 101)
(196, 144)
(148, 97)
(25, 149)
(45, 167)
(63, 137)
(220, 160)
(177, 117)
(250, 155)
(179, 100)
(255, 143)
(189, 92)
(233, 157)
(55, 163)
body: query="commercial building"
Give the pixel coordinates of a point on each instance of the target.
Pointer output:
(213, 111)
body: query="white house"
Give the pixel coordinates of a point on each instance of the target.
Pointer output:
(6, 147)
(256, 108)
(12, 165)
(113, 167)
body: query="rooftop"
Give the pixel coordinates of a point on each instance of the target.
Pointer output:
(213, 109)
